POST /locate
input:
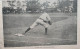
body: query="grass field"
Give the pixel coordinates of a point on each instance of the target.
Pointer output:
(63, 31)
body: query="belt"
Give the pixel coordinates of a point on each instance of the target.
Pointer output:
(43, 20)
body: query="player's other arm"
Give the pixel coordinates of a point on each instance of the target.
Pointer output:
(49, 20)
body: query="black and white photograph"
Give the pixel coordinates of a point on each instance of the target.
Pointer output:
(39, 22)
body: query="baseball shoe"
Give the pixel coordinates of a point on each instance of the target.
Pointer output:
(19, 34)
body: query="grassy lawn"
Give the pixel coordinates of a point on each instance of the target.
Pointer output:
(62, 31)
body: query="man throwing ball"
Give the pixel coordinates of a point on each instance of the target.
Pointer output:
(44, 20)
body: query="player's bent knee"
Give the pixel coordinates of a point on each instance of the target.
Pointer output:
(31, 27)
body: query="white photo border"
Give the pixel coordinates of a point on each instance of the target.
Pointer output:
(42, 47)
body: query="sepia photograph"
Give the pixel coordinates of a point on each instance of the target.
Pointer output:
(39, 22)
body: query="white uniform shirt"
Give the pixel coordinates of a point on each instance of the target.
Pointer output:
(40, 21)
(45, 17)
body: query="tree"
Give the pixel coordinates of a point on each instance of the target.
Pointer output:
(33, 5)
(63, 4)
(45, 4)
(19, 4)
(11, 3)
(75, 5)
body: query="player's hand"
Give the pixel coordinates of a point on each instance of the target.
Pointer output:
(50, 23)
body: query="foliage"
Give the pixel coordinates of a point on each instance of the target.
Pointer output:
(33, 5)
(75, 5)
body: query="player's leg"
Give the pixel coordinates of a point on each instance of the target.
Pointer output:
(27, 30)
(23, 33)
(31, 27)
(46, 29)
(45, 26)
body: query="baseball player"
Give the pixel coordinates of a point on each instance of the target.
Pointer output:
(44, 20)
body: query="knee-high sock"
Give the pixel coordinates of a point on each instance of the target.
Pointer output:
(27, 30)
(45, 30)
